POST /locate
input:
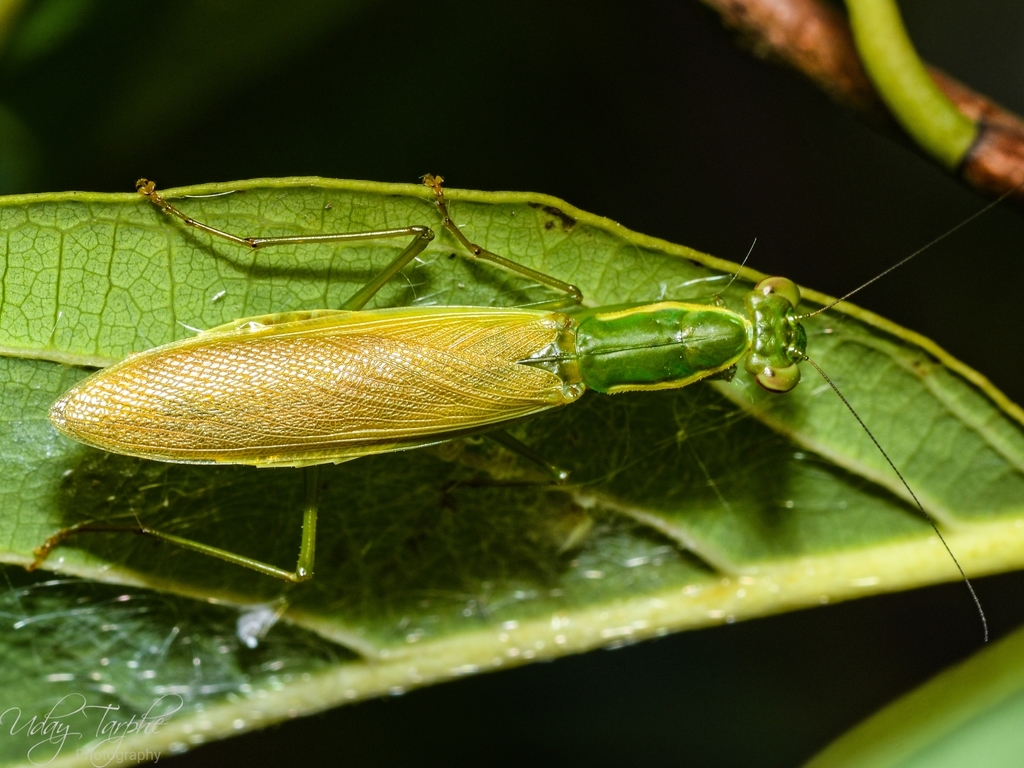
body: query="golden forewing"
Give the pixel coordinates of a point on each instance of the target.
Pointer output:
(322, 389)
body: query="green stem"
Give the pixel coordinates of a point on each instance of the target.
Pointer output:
(921, 108)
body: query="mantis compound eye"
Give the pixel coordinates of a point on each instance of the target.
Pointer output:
(782, 286)
(781, 379)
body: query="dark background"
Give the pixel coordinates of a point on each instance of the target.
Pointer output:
(645, 112)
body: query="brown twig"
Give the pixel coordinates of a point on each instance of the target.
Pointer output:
(814, 38)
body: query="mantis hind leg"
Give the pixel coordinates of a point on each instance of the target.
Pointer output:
(303, 567)
(421, 237)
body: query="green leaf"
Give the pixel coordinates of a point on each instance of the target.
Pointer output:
(685, 508)
(967, 715)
